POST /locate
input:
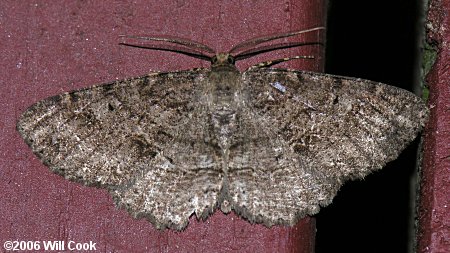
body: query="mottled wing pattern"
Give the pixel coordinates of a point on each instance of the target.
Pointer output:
(138, 138)
(308, 133)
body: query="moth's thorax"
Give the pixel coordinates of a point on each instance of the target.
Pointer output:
(224, 86)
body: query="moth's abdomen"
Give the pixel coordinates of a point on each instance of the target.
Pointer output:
(225, 125)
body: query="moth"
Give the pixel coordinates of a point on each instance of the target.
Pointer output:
(272, 145)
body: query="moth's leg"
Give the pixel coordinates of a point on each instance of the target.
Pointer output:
(277, 61)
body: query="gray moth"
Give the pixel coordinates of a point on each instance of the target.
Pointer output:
(273, 145)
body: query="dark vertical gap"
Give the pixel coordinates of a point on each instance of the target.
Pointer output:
(375, 40)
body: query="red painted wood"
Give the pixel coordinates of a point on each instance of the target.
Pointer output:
(51, 47)
(434, 216)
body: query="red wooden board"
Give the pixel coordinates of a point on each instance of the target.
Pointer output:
(434, 216)
(52, 47)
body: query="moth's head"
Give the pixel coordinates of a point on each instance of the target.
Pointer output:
(222, 60)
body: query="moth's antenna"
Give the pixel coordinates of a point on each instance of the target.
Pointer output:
(185, 42)
(259, 40)
(190, 48)
(186, 51)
